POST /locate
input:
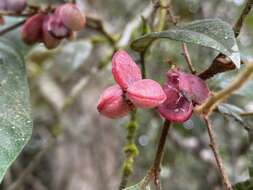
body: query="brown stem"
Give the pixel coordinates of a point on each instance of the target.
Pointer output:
(159, 154)
(184, 45)
(154, 172)
(98, 25)
(12, 27)
(238, 25)
(215, 148)
(247, 114)
(214, 100)
(188, 58)
(14, 14)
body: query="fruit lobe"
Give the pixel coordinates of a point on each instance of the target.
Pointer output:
(193, 87)
(124, 69)
(176, 107)
(71, 16)
(32, 29)
(49, 40)
(112, 104)
(146, 94)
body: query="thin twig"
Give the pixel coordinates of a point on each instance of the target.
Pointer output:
(12, 27)
(245, 114)
(159, 154)
(238, 25)
(130, 149)
(214, 100)
(14, 14)
(188, 58)
(184, 45)
(143, 66)
(215, 148)
(98, 25)
(154, 171)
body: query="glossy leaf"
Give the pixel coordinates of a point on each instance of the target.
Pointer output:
(15, 111)
(211, 33)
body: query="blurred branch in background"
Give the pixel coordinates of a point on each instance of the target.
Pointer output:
(215, 148)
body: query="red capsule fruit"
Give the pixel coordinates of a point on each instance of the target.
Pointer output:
(71, 16)
(112, 104)
(49, 40)
(56, 28)
(176, 107)
(146, 94)
(32, 30)
(124, 69)
(193, 87)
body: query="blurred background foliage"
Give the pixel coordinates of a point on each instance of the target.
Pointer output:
(73, 147)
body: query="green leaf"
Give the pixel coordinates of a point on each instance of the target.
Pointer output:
(234, 112)
(211, 33)
(246, 185)
(15, 110)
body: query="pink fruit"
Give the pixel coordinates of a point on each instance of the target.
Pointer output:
(49, 40)
(146, 94)
(71, 16)
(15, 5)
(32, 29)
(192, 86)
(3, 5)
(56, 28)
(124, 69)
(112, 104)
(176, 107)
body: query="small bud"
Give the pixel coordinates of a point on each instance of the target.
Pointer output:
(32, 29)
(15, 5)
(176, 108)
(49, 41)
(124, 69)
(71, 16)
(112, 104)
(146, 94)
(56, 28)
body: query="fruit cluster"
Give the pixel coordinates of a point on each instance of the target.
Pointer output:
(131, 90)
(51, 28)
(175, 101)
